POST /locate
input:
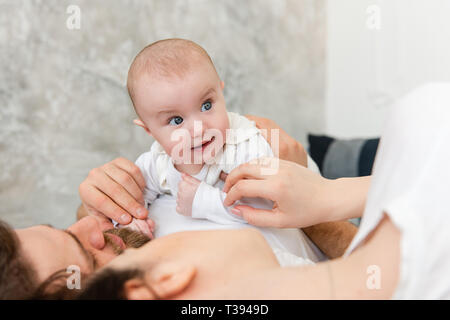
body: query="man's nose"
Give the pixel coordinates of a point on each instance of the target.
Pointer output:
(88, 231)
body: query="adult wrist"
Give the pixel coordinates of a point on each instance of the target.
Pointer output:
(347, 197)
(337, 200)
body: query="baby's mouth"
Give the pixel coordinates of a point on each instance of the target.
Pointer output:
(203, 145)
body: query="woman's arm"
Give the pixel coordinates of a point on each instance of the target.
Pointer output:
(332, 237)
(302, 198)
(371, 272)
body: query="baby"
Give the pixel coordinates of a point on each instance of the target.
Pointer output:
(178, 97)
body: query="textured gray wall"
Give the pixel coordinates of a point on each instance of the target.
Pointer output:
(64, 108)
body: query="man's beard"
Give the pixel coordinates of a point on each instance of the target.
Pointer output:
(131, 238)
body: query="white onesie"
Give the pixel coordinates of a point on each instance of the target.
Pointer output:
(243, 144)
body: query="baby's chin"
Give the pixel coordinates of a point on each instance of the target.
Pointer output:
(200, 156)
(209, 155)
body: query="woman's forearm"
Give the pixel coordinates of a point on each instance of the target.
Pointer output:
(347, 198)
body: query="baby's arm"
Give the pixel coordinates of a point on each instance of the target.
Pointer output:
(208, 204)
(203, 201)
(199, 200)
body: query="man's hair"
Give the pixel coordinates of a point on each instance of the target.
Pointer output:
(108, 284)
(17, 276)
(166, 58)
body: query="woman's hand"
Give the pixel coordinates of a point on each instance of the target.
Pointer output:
(299, 194)
(302, 198)
(289, 148)
(115, 191)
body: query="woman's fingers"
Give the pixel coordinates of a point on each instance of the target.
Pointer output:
(123, 178)
(132, 170)
(250, 189)
(259, 217)
(244, 171)
(102, 204)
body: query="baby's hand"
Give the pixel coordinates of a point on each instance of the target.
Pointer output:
(186, 192)
(144, 226)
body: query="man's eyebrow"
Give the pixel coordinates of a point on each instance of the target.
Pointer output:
(86, 253)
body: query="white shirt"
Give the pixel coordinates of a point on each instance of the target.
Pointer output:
(208, 211)
(411, 184)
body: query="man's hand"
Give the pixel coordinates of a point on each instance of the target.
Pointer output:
(289, 148)
(115, 191)
(187, 188)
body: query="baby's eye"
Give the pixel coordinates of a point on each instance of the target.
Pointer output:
(206, 106)
(175, 121)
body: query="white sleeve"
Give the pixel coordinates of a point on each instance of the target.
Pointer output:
(411, 184)
(208, 200)
(147, 165)
(254, 148)
(208, 204)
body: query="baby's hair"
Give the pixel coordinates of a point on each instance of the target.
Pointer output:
(166, 58)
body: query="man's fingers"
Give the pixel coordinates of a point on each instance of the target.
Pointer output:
(259, 217)
(97, 239)
(123, 178)
(120, 196)
(244, 171)
(102, 204)
(132, 170)
(249, 189)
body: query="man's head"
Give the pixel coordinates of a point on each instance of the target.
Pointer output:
(173, 83)
(17, 276)
(30, 257)
(183, 265)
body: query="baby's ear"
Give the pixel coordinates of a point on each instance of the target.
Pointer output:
(142, 125)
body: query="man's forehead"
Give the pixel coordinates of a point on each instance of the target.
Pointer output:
(40, 229)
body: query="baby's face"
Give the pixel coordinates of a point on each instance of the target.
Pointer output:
(192, 106)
